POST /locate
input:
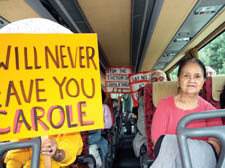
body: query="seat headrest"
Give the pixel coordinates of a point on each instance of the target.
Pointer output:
(162, 90)
(218, 82)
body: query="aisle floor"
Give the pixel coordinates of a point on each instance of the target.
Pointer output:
(125, 157)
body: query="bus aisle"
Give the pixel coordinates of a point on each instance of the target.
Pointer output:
(125, 157)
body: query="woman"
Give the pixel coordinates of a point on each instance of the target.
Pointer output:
(158, 76)
(56, 151)
(140, 139)
(95, 136)
(191, 77)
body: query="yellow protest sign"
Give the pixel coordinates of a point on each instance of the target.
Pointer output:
(50, 84)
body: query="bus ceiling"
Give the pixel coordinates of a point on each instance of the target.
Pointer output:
(146, 34)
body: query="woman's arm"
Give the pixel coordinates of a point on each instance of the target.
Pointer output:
(17, 158)
(107, 116)
(64, 148)
(210, 123)
(14, 164)
(71, 145)
(216, 144)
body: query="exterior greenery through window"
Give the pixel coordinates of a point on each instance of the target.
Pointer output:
(212, 54)
(173, 74)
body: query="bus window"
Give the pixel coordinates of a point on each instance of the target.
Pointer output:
(173, 74)
(213, 54)
(115, 96)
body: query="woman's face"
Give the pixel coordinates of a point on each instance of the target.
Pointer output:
(191, 78)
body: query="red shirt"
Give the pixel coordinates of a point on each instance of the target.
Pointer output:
(167, 116)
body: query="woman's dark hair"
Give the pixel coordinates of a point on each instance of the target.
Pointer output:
(184, 61)
(222, 99)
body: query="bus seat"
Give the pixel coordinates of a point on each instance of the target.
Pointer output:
(212, 88)
(115, 121)
(110, 135)
(183, 133)
(163, 89)
(152, 94)
(84, 136)
(85, 157)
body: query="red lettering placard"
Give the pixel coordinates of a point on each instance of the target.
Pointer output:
(43, 90)
(117, 80)
(138, 80)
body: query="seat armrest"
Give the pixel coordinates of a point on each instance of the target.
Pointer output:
(145, 160)
(143, 150)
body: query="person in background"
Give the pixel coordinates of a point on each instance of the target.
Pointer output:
(210, 71)
(95, 136)
(134, 114)
(107, 114)
(204, 150)
(56, 150)
(158, 76)
(61, 150)
(127, 108)
(118, 106)
(140, 140)
(114, 105)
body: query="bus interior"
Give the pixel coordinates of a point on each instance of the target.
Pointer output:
(142, 34)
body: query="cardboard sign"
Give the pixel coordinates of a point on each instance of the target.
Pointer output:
(117, 80)
(50, 84)
(138, 80)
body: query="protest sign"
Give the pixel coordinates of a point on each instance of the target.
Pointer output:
(116, 79)
(138, 80)
(50, 84)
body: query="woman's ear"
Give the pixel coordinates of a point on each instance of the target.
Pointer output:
(203, 82)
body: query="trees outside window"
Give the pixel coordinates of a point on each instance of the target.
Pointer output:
(213, 54)
(173, 74)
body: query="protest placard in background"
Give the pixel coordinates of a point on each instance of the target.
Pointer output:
(116, 79)
(138, 80)
(50, 84)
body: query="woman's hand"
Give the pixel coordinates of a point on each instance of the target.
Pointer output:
(49, 147)
(216, 144)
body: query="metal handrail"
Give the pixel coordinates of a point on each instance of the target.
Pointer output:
(34, 143)
(184, 133)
